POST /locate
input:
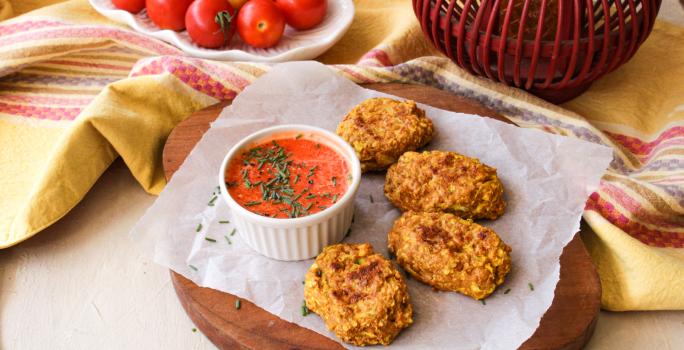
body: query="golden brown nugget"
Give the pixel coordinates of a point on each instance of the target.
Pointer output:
(382, 129)
(440, 181)
(359, 294)
(449, 253)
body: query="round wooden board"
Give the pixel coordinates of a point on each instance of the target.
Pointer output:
(568, 324)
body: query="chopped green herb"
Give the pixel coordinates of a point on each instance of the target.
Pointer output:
(211, 202)
(322, 207)
(357, 261)
(531, 286)
(299, 136)
(308, 206)
(334, 181)
(224, 221)
(194, 330)
(227, 239)
(334, 199)
(507, 291)
(193, 267)
(318, 145)
(305, 310)
(210, 239)
(252, 203)
(296, 179)
(310, 196)
(237, 304)
(199, 227)
(232, 233)
(483, 302)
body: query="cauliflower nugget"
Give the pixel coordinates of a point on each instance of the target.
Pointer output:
(382, 129)
(449, 253)
(359, 294)
(439, 181)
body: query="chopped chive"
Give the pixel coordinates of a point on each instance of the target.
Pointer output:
(193, 267)
(224, 221)
(531, 286)
(232, 233)
(334, 181)
(237, 304)
(210, 239)
(318, 145)
(310, 196)
(305, 310)
(334, 199)
(310, 182)
(199, 227)
(296, 179)
(227, 239)
(299, 136)
(194, 330)
(252, 203)
(322, 207)
(371, 198)
(483, 302)
(211, 202)
(308, 206)
(507, 291)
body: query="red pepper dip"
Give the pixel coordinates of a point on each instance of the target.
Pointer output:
(288, 177)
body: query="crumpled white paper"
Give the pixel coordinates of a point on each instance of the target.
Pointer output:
(546, 177)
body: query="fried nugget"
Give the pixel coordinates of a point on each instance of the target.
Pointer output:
(439, 181)
(382, 129)
(359, 294)
(449, 253)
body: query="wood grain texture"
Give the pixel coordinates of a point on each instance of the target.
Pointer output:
(568, 324)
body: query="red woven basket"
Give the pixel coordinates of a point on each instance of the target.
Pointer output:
(552, 48)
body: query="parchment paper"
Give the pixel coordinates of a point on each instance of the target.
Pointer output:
(547, 179)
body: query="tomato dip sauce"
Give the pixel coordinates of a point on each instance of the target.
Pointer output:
(288, 177)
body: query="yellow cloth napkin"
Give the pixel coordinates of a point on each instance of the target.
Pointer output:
(77, 91)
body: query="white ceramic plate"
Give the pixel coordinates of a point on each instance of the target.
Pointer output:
(293, 46)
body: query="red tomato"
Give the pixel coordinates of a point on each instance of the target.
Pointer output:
(303, 14)
(168, 14)
(260, 23)
(132, 6)
(210, 23)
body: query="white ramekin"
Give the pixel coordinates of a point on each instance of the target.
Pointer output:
(296, 238)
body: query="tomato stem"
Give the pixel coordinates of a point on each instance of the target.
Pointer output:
(224, 19)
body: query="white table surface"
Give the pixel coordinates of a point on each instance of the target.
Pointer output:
(81, 284)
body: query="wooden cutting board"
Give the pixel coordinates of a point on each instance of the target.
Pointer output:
(568, 324)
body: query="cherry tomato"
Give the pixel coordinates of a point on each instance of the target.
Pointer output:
(210, 23)
(132, 6)
(168, 14)
(260, 23)
(237, 3)
(303, 14)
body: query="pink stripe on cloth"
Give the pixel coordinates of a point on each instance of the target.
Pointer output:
(634, 207)
(639, 147)
(656, 238)
(90, 65)
(77, 31)
(190, 74)
(50, 113)
(376, 55)
(46, 100)
(23, 26)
